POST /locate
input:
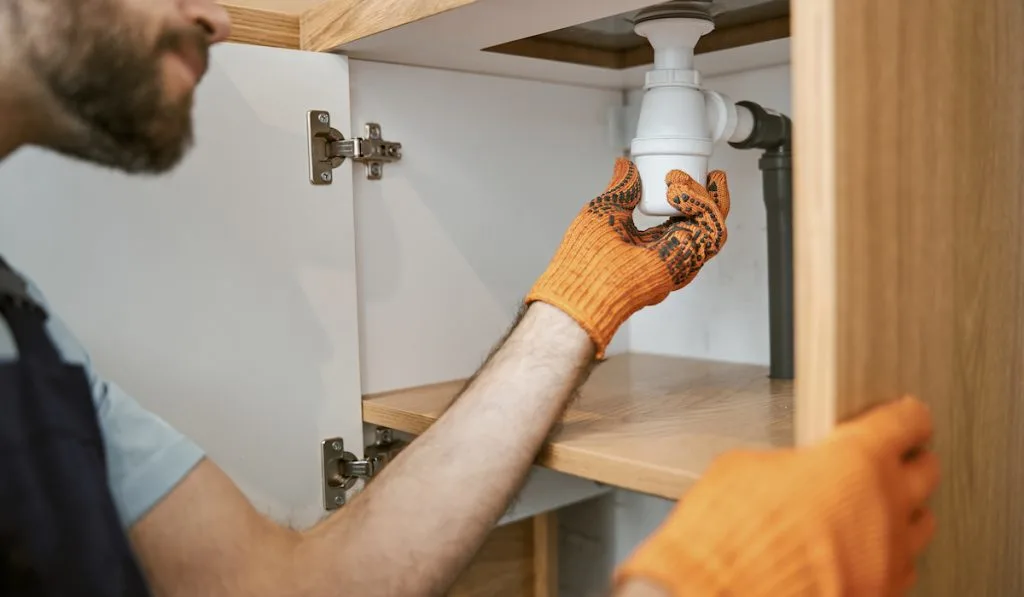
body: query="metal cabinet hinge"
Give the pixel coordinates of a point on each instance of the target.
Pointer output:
(341, 469)
(328, 149)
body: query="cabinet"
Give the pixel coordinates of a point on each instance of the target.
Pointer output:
(287, 313)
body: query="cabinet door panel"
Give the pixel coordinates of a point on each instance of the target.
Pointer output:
(221, 296)
(910, 192)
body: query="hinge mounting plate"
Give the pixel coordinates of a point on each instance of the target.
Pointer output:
(328, 149)
(335, 484)
(341, 469)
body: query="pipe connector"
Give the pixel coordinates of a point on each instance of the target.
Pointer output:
(770, 129)
(680, 122)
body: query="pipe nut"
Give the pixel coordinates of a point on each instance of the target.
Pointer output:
(671, 78)
(676, 9)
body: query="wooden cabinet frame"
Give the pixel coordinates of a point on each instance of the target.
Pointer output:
(910, 254)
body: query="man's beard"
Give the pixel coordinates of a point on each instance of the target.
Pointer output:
(106, 79)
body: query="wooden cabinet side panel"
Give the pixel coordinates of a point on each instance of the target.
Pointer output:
(927, 218)
(814, 222)
(507, 563)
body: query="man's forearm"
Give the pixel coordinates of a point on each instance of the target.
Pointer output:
(428, 520)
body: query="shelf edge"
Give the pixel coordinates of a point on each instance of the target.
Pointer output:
(329, 25)
(258, 27)
(649, 479)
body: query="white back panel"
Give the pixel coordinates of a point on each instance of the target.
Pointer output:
(450, 241)
(223, 295)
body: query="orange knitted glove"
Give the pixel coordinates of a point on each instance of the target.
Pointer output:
(844, 518)
(605, 269)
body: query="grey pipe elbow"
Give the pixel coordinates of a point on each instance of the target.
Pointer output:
(771, 129)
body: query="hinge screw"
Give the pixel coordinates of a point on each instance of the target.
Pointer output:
(336, 446)
(324, 118)
(325, 176)
(339, 500)
(375, 170)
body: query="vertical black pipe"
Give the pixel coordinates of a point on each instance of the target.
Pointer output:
(777, 175)
(773, 133)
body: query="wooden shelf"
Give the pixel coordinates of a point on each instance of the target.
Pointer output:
(647, 423)
(257, 26)
(323, 25)
(533, 39)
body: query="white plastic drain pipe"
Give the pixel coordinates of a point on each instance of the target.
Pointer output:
(679, 121)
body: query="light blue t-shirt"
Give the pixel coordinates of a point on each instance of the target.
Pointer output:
(146, 457)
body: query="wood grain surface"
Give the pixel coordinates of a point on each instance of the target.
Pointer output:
(910, 232)
(336, 22)
(323, 25)
(291, 7)
(505, 566)
(260, 27)
(647, 423)
(814, 219)
(545, 555)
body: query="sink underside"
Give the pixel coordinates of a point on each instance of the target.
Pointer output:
(611, 43)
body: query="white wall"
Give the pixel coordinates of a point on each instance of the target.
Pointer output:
(722, 315)
(450, 241)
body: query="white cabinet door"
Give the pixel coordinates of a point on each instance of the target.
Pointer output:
(221, 296)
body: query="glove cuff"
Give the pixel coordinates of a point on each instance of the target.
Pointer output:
(600, 289)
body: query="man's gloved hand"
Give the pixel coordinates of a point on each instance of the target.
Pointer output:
(844, 518)
(605, 269)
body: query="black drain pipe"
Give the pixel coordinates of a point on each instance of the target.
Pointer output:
(773, 132)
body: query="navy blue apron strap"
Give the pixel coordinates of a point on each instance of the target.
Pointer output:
(25, 317)
(60, 535)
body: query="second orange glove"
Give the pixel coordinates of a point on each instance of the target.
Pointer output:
(845, 518)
